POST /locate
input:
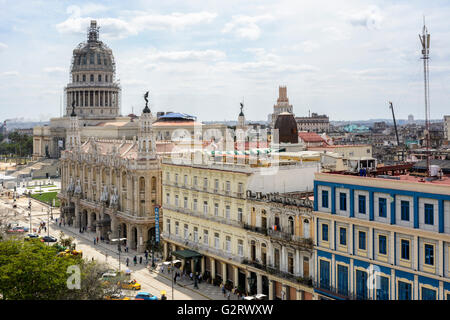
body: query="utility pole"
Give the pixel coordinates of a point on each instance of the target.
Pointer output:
(425, 41)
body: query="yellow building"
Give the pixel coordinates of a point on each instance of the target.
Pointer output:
(210, 215)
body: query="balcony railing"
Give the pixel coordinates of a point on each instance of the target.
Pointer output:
(306, 242)
(255, 229)
(335, 292)
(276, 271)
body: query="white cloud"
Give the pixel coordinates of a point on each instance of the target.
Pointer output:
(3, 46)
(54, 70)
(189, 55)
(124, 27)
(10, 74)
(370, 18)
(246, 26)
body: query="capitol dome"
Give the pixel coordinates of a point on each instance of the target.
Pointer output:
(93, 90)
(287, 128)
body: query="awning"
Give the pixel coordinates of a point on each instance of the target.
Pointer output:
(168, 263)
(186, 254)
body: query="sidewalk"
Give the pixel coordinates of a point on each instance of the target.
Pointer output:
(206, 290)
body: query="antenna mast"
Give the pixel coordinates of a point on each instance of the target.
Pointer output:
(425, 41)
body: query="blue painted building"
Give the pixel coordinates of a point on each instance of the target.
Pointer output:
(380, 238)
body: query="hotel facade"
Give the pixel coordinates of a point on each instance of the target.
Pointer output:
(383, 238)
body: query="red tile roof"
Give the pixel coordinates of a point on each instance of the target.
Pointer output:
(310, 137)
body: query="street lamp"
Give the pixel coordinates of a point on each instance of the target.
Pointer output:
(171, 264)
(118, 243)
(29, 214)
(195, 273)
(153, 252)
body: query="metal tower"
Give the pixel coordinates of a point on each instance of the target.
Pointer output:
(425, 41)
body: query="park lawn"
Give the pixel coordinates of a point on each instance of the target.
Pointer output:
(43, 187)
(47, 197)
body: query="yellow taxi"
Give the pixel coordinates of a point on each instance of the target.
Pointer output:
(130, 285)
(117, 296)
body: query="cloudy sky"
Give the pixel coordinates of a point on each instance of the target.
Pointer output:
(343, 58)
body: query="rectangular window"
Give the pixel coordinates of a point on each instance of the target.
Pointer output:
(228, 244)
(205, 183)
(342, 280)
(404, 205)
(428, 294)
(168, 225)
(168, 198)
(240, 248)
(205, 207)
(429, 214)
(186, 230)
(106, 78)
(343, 201)
(361, 285)
(382, 209)
(216, 184)
(176, 228)
(324, 274)
(185, 180)
(227, 212)
(216, 241)
(92, 78)
(382, 244)
(99, 78)
(185, 202)
(362, 240)
(99, 60)
(361, 204)
(167, 176)
(405, 249)
(404, 291)
(205, 237)
(324, 232)
(195, 180)
(240, 214)
(382, 288)
(324, 199)
(195, 205)
(429, 254)
(216, 209)
(176, 201)
(176, 178)
(228, 186)
(91, 59)
(195, 234)
(343, 236)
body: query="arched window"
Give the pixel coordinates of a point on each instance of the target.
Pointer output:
(142, 185)
(291, 225)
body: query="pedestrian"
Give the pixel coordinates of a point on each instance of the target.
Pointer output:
(128, 260)
(190, 276)
(135, 260)
(60, 224)
(94, 241)
(223, 290)
(228, 295)
(175, 278)
(97, 239)
(140, 260)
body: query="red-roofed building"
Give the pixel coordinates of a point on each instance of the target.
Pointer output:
(311, 139)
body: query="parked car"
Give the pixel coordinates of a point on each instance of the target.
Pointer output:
(48, 239)
(117, 296)
(31, 236)
(145, 296)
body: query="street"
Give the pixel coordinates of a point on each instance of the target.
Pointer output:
(151, 282)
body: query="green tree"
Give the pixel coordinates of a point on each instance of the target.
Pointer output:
(31, 270)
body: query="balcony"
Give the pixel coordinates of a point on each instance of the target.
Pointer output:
(277, 272)
(202, 248)
(286, 236)
(260, 230)
(334, 292)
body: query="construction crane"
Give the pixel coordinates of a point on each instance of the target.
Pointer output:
(395, 126)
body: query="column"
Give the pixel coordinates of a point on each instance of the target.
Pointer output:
(271, 288)
(333, 271)
(332, 235)
(351, 273)
(298, 268)
(129, 235)
(103, 98)
(77, 215)
(416, 287)
(224, 272)
(300, 294)
(392, 295)
(440, 261)
(392, 248)
(114, 230)
(370, 248)
(247, 284)
(165, 250)
(284, 292)
(89, 221)
(350, 238)
(213, 268)
(258, 283)
(202, 265)
(283, 259)
(415, 253)
(236, 276)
